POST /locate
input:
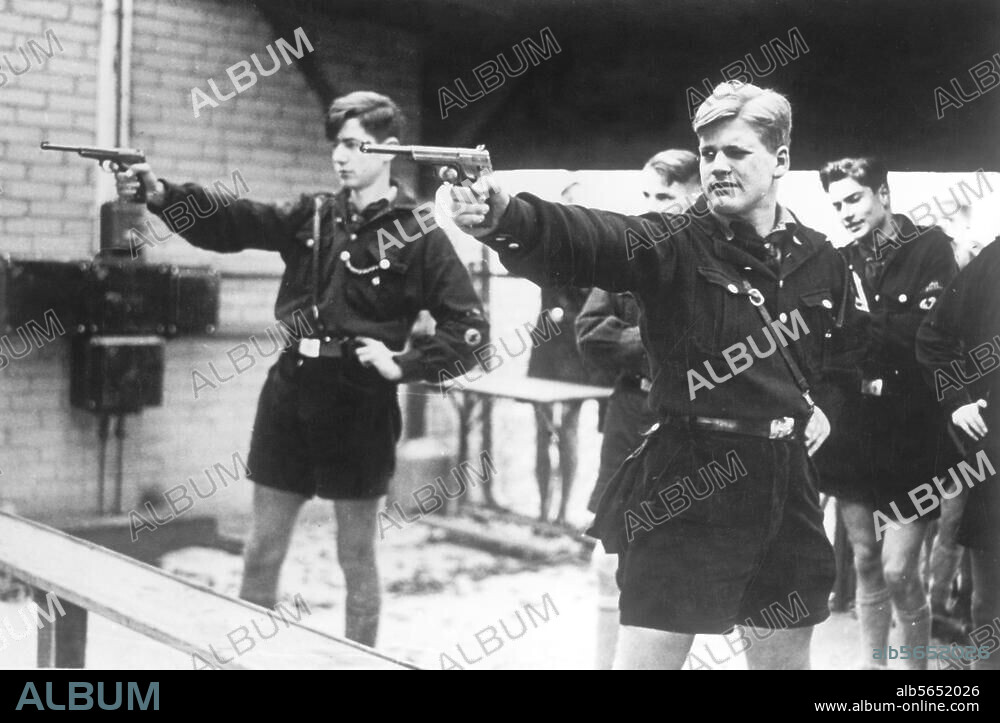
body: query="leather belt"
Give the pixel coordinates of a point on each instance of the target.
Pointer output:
(783, 428)
(328, 347)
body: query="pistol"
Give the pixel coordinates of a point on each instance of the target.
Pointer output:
(456, 165)
(113, 160)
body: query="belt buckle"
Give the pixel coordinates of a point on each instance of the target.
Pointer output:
(309, 348)
(781, 428)
(872, 387)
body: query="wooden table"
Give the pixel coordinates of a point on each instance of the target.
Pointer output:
(489, 387)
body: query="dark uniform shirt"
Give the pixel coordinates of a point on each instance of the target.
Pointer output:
(360, 294)
(900, 288)
(967, 317)
(888, 433)
(963, 330)
(689, 285)
(608, 333)
(559, 357)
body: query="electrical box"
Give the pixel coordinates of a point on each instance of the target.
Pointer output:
(126, 298)
(29, 290)
(195, 307)
(117, 374)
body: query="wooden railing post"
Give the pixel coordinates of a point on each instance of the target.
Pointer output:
(62, 643)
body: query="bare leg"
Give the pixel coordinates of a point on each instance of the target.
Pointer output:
(946, 554)
(645, 649)
(607, 606)
(274, 513)
(901, 561)
(986, 606)
(568, 444)
(782, 650)
(872, 597)
(543, 463)
(356, 525)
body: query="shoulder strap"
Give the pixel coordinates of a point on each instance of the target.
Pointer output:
(757, 299)
(317, 220)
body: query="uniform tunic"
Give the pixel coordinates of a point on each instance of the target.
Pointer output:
(886, 445)
(963, 330)
(328, 426)
(607, 331)
(559, 357)
(708, 556)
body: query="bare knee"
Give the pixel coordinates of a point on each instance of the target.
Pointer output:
(867, 560)
(902, 578)
(266, 550)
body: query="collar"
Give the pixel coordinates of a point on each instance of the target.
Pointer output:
(902, 229)
(784, 221)
(402, 200)
(721, 235)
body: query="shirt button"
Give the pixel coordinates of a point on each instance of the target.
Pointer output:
(384, 264)
(513, 246)
(354, 237)
(903, 298)
(376, 281)
(783, 317)
(326, 340)
(310, 243)
(877, 297)
(339, 219)
(733, 288)
(827, 304)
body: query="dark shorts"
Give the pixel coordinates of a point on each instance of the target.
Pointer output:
(628, 415)
(980, 528)
(326, 428)
(881, 448)
(744, 545)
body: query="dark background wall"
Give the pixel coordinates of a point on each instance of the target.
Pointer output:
(616, 91)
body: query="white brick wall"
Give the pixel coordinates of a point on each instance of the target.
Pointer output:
(272, 133)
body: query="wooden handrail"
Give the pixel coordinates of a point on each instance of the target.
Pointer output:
(187, 617)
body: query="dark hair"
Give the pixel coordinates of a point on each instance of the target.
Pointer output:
(866, 170)
(377, 113)
(674, 166)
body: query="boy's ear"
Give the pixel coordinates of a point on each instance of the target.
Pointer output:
(784, 158)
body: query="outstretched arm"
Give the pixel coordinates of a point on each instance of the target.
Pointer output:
(556, 245)
(215, 222)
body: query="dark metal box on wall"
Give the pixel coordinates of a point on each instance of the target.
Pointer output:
(117, 374)
(195, 309)
(31, 289)
(126, 298)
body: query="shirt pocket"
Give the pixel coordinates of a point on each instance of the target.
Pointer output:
(817, 309)
(722, 312)
(379, 294)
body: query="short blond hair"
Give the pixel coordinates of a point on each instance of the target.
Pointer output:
(768, 111)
